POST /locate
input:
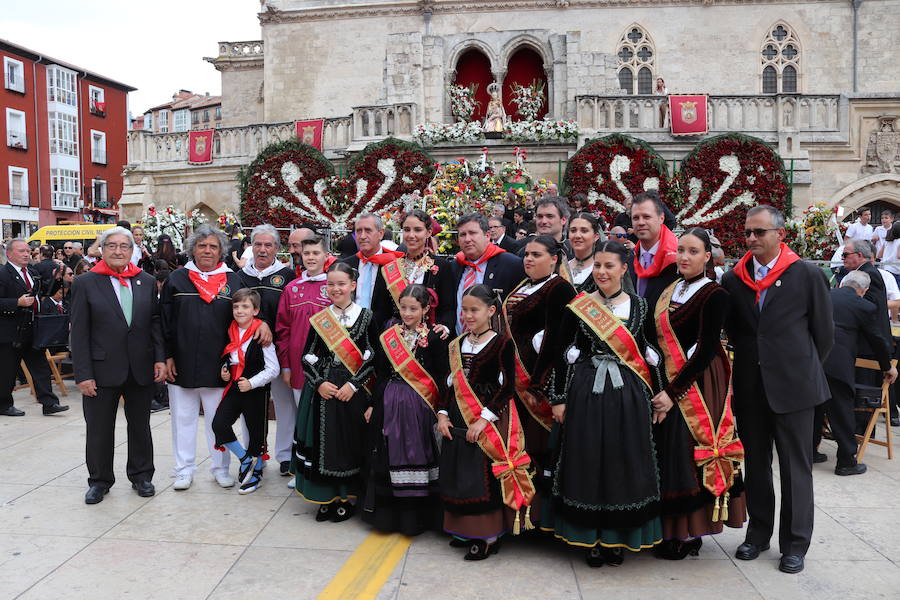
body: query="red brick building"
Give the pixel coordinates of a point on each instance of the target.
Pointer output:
(65, 142)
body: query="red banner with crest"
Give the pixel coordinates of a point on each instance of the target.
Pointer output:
(200, 147)
(310, 132)
(688, 114)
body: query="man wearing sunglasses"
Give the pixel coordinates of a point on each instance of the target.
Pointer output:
(780, 325)
(74, 254)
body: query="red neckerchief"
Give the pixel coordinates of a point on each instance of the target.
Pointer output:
(329, 260)
(380, 259)
(127, 273)
(785, 259)
(236, 344)
(208, 288)
(666, 253)
(490, 252)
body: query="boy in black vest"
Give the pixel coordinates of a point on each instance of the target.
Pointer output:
(248, 368)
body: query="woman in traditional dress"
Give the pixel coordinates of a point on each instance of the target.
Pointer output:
(481, 427)
(584, 233)
(417, 265)
(605, 487)
(532, 313)
(329, 439)
(411, 366)
(701, 490)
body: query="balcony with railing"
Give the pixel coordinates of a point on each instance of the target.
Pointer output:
(98, 157)
(64, 201)
(16, 139)
(763, 115)
(18, 197)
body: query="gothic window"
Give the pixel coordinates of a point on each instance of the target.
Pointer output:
(637, 57)
(780, 61)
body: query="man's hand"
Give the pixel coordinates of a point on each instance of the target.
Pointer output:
(88, 387)
(263, 335)
(891, 375)
(225, 373)
(171, 371)
(159, 372)
(244, 384)
(25, 300)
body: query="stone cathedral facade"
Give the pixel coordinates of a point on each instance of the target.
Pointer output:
(817, 79)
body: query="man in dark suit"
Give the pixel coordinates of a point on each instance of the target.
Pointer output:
(551, 217)
(479, 261)
(780, 325)
(20, 286)
(854, 318)
(117, 351)
(46, 267)
(498, 235)
(654, 267)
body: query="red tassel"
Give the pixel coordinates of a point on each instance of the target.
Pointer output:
(220, 448)
(265, 457)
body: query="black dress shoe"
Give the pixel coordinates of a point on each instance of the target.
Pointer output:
(342, 512)
(95, 494)
(857, 469)
(819, 457)
(144, 489)
(156, 406)
(12, 411)
(895, 421)
(55, 408)
(749, 551)
(324, 512)
(284, 467)
(480, 550)
(791, 563)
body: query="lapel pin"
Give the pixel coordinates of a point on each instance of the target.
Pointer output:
(491, 276)
(778, 283)
(138, 282)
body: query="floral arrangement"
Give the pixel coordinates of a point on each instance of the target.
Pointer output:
(528, 99)
(721, 179)
(170, 221)
(462, 101)
(544, 130)
(430, 134)
(291, 182)
(613, 169)
(815, 233)
(226, 219)
(514, 173)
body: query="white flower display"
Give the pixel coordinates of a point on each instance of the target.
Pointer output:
(170, 221)
(429, 134)
(545, 130)
(691, 215)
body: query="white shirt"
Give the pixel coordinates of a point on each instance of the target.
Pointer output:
(890, 286)
(271, 368)
(880, 233)
(757, 265)
(136, 253)
(858, 231)
(682, 294)
(889, 260)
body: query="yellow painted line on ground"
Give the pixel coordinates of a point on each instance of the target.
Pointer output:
(368, 568)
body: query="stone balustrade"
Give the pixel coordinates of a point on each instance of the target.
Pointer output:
(252, 48)
(748, 114)
(374, 122)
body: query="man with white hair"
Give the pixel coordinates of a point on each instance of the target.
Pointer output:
(266, 275)
(20, 287)
(371, 290)
(854, 317)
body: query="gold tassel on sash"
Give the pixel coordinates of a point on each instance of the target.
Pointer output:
(715, 515)
(528, 523)
(517, 528)
(725, 507)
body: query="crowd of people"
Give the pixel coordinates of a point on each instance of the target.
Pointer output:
(573, 381)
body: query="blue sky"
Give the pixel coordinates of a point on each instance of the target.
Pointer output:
(156, 46)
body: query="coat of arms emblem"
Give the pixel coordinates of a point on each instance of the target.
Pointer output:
(200, 144)
(309, 135)
(688, 111)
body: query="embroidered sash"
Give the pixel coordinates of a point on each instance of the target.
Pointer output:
(339, 342)
(404, 362)
(718, 450)
(542, 413)
(611, 330)
(565, 272)
(395, 279)
(510, 461)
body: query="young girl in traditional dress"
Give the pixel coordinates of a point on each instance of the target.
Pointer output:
(532, 312)
(330, 435)
(248, 369)
(693, 410)
(411, 366)
(605, 487)
(481, 427)
(584, 233)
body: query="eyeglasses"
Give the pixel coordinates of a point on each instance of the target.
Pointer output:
(67, 247)
(758, 232)
(621, 235)
(846, 254)
(112, 246)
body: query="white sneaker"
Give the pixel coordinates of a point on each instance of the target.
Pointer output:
(182, 482)
(225, 480)
(292, 483)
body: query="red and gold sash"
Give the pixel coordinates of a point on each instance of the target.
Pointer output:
(611, 330)
(395, 279)
(338, 341)
(565, 272)
(510, 461)
(542, 413)
(718, 450)
(404, 362)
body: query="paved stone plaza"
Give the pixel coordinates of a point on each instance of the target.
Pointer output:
(212, 543)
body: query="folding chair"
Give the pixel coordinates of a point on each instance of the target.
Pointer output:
(884, 410)
(54, 360)
(28, 379)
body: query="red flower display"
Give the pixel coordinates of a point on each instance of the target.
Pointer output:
(721, 179)
(614, 168)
